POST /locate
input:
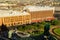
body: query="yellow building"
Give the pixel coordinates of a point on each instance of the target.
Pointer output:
(30, 14)
(11, 18)
(40, 13)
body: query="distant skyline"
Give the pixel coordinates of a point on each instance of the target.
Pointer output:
(26, 0)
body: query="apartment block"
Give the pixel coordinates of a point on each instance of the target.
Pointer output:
(40, 13)
(30, 14)
(13, 18)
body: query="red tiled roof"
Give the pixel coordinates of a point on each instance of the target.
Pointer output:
(52, 18)
(36, 20)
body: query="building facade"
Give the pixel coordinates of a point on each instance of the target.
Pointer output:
(30, 14)
(40, 13)
(15, 18)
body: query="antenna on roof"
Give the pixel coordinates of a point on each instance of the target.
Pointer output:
(11, 12)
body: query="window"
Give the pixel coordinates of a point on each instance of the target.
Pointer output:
(12, 24)
(11, 20)
(18, 23)
(9, 25)
(21, 22)
(6, 19)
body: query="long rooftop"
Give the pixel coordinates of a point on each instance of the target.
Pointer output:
(6, 4)
(38, 8)
(9, 13)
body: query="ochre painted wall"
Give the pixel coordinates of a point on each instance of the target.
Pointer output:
(41, 15)
(15, 20)
(36, 16)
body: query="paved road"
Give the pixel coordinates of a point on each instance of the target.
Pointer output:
(51, 31)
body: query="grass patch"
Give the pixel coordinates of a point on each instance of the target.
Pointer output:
(57, 31)
(31, 28)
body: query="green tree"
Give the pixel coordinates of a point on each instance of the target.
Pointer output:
(54, 22)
